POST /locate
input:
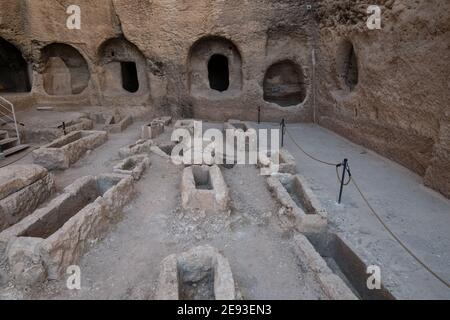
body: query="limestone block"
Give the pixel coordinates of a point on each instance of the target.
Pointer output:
(66, 227)
(117, 125)
(23, 189)
(280, 161)
(164, 120)
(140, 147)
(303, 207)
(25, 260)
(65, 151)
(133, 166)
(17, 177)
(153, 130)
(203, 187)
(189, 275)
(333, 286)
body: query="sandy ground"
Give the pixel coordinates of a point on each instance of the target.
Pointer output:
(125, 264)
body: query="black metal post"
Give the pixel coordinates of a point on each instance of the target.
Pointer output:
(344, 170)
(283, 131)
(64, 128)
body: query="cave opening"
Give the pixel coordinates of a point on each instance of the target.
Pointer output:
(219, 73)
(130, 81)
(14, 75)
(351, 68)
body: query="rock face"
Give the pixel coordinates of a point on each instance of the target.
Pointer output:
(22, 189)
(386, 89)
(398, 106)
(170, 63)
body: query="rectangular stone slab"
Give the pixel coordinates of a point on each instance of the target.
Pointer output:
(23, 189)
(17, 177)
(65, 151)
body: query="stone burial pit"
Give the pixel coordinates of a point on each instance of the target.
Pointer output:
(286, 162)
(166, 120)
(56, 236)
(337, 254)
(133, 166)
(203, 187)
(140, 147)
(79, 125)
(117, 123)
(164, 150)
(67, 150)
(331, 282)
(155, 128)
(152, 130)
(302, 208)
(22, 189)
(167, 147)
(199, 274)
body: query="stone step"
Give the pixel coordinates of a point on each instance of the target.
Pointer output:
(4, 134)
(13, 150)
(7, 142)
(6, 120)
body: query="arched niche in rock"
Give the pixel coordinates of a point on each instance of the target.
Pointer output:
(284, 84)
(214, 68)
(123, 68)
(66, 71)
(14, 73)
(347, 65)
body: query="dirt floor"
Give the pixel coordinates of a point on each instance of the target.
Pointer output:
(125, 264)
